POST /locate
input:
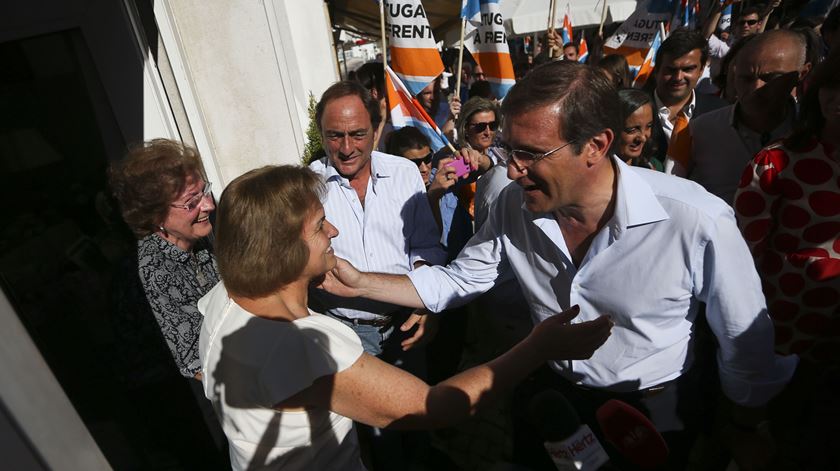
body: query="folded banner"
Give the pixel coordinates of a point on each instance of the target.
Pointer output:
(414, 54)
(407, 111)
(485, 38)
(634, 37)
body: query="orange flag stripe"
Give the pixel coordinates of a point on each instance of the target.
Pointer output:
(493, 67)
(416, 62)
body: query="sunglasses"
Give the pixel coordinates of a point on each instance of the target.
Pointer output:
(423, 160)
(747, 22)
(480, 127)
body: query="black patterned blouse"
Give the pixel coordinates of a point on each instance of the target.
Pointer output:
(174, 281)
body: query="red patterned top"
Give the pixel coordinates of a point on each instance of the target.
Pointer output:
(788, 209)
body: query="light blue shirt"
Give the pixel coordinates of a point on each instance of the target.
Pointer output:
(393, 230)
(668, 246)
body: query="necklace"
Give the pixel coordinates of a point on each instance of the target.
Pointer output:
(199, 275)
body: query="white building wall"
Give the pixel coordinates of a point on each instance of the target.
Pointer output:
(244, 69)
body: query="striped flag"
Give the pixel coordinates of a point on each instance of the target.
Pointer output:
(407, 111)
(414, 54)
(485, 38)
(566, 31)
(583, 50)
(650, 61)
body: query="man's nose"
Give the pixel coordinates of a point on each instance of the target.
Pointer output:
(346, 144)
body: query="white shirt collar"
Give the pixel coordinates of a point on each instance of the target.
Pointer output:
(665, 112)
(636, 204)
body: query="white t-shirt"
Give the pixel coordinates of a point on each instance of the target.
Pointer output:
(250, 364)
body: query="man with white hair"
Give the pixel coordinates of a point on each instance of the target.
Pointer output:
(723, 141)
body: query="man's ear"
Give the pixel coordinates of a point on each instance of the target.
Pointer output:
(374, 93)
(805, 70)
(598, 147)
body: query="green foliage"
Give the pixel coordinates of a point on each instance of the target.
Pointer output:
(313, 137)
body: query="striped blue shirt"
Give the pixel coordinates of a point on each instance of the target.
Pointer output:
(393, 230)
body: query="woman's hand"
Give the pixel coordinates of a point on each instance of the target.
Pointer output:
(475, 159)
(556, 339)
(444, 179)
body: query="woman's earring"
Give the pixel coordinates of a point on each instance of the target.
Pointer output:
(163, 231)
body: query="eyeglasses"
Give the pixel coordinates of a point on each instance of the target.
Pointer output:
(747, 22)
(523, 159)
(427, 159)
(193, 202)
(480, 127)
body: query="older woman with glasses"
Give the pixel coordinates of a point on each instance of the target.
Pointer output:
(288, 383)
(166, 201)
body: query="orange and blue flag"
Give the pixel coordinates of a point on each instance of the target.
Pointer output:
(485, 38)
(407, 111)
(650, 62)
(583, 50)
(414, 54)
(566, 31)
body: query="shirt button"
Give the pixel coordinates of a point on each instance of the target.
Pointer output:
(576, 286)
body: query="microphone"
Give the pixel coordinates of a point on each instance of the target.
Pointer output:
(632, 434)
(570, 444)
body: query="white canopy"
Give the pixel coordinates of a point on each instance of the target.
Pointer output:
(528, 16)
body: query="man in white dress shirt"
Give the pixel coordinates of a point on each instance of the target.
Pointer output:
(378, 204)
(580, 227)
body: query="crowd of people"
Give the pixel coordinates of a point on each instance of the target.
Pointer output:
(675, 247)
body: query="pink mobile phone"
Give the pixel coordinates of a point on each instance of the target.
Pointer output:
(461, 168)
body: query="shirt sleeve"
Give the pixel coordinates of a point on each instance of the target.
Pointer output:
(315, 347)
(717, 48)
(750, 371)
(424, 239)
(479, 267)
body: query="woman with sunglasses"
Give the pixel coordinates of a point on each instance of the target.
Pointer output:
(165, 200)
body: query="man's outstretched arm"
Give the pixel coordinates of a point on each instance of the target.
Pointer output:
(344, 280)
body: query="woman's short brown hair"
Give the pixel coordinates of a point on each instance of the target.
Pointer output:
(149, 179)
(259, 243)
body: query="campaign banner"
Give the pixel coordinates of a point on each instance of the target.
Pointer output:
(725, 17)
(407, 111)
(634, 37)
(414, 54)
(485, 38)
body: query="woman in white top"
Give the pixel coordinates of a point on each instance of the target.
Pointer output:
(288, 383)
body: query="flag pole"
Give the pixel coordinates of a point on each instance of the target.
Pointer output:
(603, 19)
(460, 60)
(552, 15)
(382, 31)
